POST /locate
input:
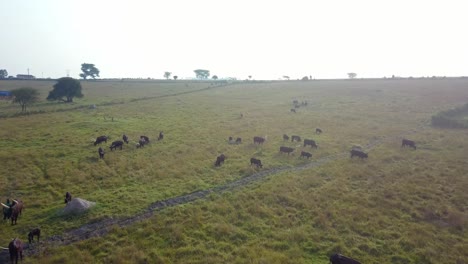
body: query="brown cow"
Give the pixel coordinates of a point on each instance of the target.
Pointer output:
(285, 137)
(32, 233)
(219, 160)
(17, 208)
(318, 131)
(238, 140)
(16, 250)
(409, 143)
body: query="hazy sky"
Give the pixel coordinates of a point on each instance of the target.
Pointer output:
(237, 38)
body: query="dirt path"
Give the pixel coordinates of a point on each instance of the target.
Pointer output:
(103, 227)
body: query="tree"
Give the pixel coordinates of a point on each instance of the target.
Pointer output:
(3, 74)
(89, 69)
(65, 87)
(167, 75)
(286, 77)
(175, 77)
(202, 74)
(214, 77)
(305, 78)
(352, 75)
(25, 96)
(250, 77)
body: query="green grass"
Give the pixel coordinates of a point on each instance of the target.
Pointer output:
(399, 206)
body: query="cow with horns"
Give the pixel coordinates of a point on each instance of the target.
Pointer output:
(13, 211)
(15, 248)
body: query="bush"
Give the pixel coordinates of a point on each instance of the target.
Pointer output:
(453, 118)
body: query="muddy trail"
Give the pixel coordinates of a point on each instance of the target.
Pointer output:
(102, 227)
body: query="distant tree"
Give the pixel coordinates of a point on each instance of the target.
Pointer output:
(202, 74)
(175, 77)
(65, 87)
(214, 77)
(305, 78)
(250, 77)
(352, 75)
(89, 69)
(167, 75)
(3, 74)
(286, 77)
(25, 96)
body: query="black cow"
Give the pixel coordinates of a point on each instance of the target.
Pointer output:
(219, 160)
(257, 162)
(310, 142)
(295, 102)
(68, 197)
(161, 136)
(100, 139)
(230, 139)
(125, 138)
(16, 250)
(101, 153)
(258, 140)
(318, 131)
(295, 138)
(286, 150)
(409, 143)
(340, 259)
(306, 154)
(238, 140)
(32, 233)
(141, 143)
(285, 137)
(145, 138)
(116, 144)
(359, 153)
(293, 110)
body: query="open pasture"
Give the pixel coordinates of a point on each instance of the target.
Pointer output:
(398, 206)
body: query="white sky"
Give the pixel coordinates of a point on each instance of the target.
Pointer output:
(237, 38)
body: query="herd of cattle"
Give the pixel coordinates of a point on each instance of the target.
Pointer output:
(118, 144)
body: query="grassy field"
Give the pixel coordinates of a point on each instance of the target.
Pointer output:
(399, 206)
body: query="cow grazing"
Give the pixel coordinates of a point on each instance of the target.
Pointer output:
(16, 250)
(408, 143)
(258, 140)
(68, 197)
(125, 138)
(219, 160)
(359, 153)
(161, 136)
(257, 162)
(230, 139)
(116, 144)
(318, 131)
(141, 143)
(145, 138)
(340, 259)
(101, 153)
(295, 138)
(100, 139)
(32, 233)
(293, 110)
(310, 142)
(306, 154)
(295, 102)
(285, 137)
(238, 140)
(286, 150)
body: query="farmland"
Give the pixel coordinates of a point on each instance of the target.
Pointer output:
(398, 206)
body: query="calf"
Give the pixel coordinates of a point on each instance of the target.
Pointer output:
(219, 160)
(68, 197)
(258, 140)
(295, 138)
(32, 233)
(409, 143)
(257, 162)
(318, 131)
(340, 259)
(306, 154)
(101, 153)
(16, 250)
(100, 139)
(310, 142)
(116, 144)
(286, 150)
(359, 153)
(285, 137)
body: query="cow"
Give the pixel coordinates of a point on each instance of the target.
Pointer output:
(293, 110)
(116, 144)
(310, 142)
(230, 139)
(286, 150)
(125, 138)
(295, 102)
(7, 210)
(16, 250)
(257, 162)
(145, 138)
(295, 138)
(161, 136)
(340, 259)
(141, 143)
(219, 160)
(238, 140)
(409, 143)
(32, 233)
(101, 153)
(285, 137)
(17, 208)
(318, 131)
(306, 154)
(68, 197)
(100, 139)
(258, 140)
(297, 106)
(359, 153)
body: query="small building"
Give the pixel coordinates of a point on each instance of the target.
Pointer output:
(25, 77)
